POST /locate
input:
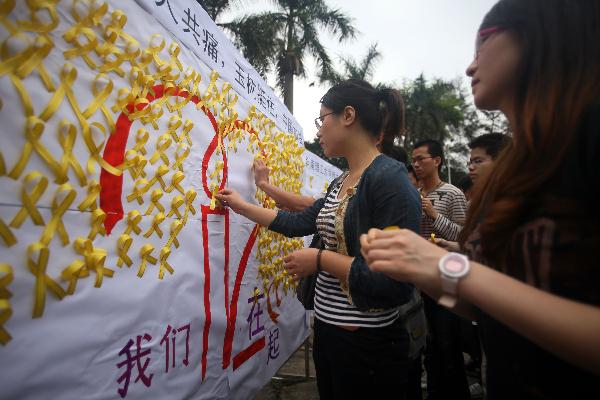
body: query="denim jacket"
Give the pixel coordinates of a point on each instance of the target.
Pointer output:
(384, 197)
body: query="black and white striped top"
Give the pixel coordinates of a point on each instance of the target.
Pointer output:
(331, 303)
(451, 205)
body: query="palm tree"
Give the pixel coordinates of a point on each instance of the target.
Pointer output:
(283, 38)
(353, 69)
(434, 110)
(214, 8)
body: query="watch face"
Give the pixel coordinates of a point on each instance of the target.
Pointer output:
(454, 266)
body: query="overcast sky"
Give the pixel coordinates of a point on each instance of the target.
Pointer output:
(433, 37)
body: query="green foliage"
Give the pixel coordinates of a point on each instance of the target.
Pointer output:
(280, 40)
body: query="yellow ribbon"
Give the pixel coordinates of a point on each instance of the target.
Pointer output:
(135, 163)
(190, 196)
(40, 183)
(101, 90)
(37, 266)
(165, 252)
(140, 187)
(93, 258)
(162, 144)
(146, 255)
(67, 134)
(123, 245)
(6, 277)
(89, 203)
(133, 220)
(182, 152)
(158, 176)
(155, 202)
(33, 132)
(67, 195)
(155, 226)
(176, 202)
(176, 227)
(98, 217)
(141, 138)
(176, 179)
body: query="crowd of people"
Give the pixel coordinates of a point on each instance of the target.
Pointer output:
(512, 249)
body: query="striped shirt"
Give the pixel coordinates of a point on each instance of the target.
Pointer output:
(331, 302)
(451, 205)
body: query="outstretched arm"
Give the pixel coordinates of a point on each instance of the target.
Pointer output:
(566, 328)
(284, 199)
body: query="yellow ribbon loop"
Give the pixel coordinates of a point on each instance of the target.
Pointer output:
(176, 227)
(155, 202)
(102, 87)
(141, 138)
(98, 217)
(172, 126)
(37, 25)
(135, 164)
(33, 132)
(158, 176)
(83, 41)
(123, 246)
(187, 127)
(67, 134)
(6, 277)
(146, 255)
(182, 152)
(213, 199)
(165, 252)
(71, 274)
(65, 196)
(176, 180)
(176, 203)
(30, 198)
(89, 203)
(133, 220)
(93, 259)
(68, 75)
(162, 144)
(37, 261)
(140, 187)
(190, 196)
(155, 226)
(219, 165)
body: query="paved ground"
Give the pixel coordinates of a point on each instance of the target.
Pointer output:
(291, 382)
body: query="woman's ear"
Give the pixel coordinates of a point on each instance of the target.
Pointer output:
(349, 115)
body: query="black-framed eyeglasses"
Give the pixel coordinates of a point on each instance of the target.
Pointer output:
(319, 119)
(419, 160)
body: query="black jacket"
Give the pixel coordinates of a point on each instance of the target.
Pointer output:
(384, 197)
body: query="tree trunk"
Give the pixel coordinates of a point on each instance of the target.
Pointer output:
(288, 90)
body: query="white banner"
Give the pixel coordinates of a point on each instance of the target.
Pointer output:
(120, 275)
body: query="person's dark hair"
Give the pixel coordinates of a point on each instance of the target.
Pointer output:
(492, 143)
(378, 110)
(434, 148)
(557, 84)
(399, 154)
(464, 184)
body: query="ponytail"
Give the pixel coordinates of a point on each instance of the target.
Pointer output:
(379, 111)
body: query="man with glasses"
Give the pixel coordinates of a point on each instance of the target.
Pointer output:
(484, 151)
(444, 213)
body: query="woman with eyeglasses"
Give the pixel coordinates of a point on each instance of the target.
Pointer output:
(361, 347)
(532, 234)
